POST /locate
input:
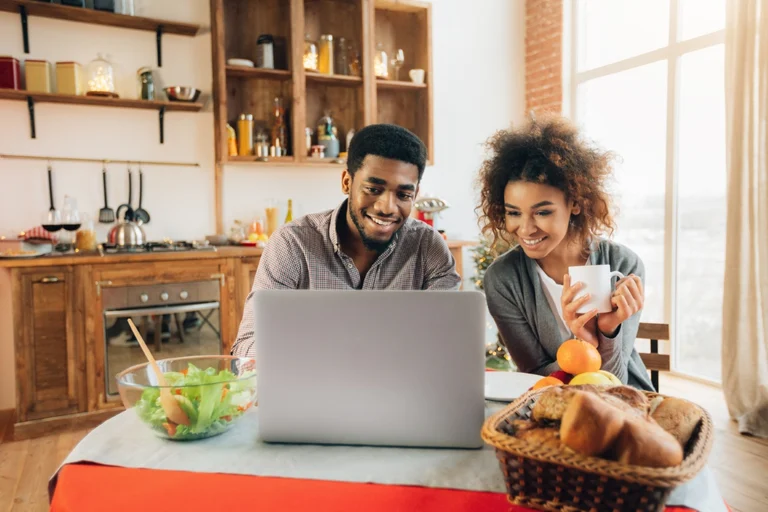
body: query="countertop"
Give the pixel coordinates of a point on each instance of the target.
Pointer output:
(97, 259)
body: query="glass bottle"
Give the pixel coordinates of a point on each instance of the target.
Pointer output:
(327, 135)
(310, 54)
(289, 213)
(325, 63)
(279, 131)
(353, 58)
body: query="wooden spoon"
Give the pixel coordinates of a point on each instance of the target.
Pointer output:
(173, 410)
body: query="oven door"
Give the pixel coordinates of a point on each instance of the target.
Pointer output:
(170, 331)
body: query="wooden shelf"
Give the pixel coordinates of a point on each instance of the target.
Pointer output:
(94, 17)
(253, 159)
(42, 97)
(393, 84)
(341, 80)
(249, 72)
(335, 163)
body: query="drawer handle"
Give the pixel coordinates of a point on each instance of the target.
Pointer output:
(49, 279)
(99, 284)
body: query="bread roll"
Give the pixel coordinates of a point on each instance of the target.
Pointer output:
(553, 402)
(542, 436)
(590, 425)
(635, 399)
(678, 417)
(644, 443)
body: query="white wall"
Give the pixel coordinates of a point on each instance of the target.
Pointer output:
(479, 88)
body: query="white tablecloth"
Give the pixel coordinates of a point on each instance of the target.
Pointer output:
(125, 441)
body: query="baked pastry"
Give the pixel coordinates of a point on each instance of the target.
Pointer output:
(634, 398)
(552, 403)
(678, 417)
(542, 436)
(590, 425)
(644, 443)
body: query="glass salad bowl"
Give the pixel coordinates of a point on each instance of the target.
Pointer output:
(213, 391)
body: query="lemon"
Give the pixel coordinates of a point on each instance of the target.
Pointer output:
(614, 379)
(591, 378)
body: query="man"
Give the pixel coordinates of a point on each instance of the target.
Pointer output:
(369, 242)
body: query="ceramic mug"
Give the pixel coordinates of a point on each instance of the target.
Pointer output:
(417, 76)
(597, 281)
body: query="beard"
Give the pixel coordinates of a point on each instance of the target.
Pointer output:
(372, 244)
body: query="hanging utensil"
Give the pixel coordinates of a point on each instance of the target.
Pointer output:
(171, 407)
(141, 215)
(50, 190)
(106, 214)
(127, 206)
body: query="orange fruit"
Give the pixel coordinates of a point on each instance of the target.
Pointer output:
(547, 381)
(577, 356)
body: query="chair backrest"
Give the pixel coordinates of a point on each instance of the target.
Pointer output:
(654, 361)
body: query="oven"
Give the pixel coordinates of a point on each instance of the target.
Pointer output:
(175, 319)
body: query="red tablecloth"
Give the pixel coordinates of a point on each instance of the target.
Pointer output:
(85, 487)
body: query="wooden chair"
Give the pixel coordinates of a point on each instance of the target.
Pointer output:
(654, 361)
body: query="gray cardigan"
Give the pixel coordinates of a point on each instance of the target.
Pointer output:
(528, 326)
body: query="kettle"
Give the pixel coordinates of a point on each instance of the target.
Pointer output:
(126, 233)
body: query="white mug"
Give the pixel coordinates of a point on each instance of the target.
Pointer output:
(417, 76)
(597, 282)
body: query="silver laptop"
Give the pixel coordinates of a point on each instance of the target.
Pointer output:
(386, 368)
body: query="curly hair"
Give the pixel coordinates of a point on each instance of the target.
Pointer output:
(549, 151)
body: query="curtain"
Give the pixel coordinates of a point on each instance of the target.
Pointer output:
(745, 301)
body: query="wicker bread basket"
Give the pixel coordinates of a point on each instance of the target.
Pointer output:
(548, 478)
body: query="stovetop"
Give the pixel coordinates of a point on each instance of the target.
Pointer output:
(165, 246)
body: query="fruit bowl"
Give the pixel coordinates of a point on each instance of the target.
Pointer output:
(213, 391)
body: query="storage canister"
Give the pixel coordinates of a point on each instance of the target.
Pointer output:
(69, 78)
(10, 73)
(38, 75)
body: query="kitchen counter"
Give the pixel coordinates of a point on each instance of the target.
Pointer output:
(220, 252)
(96, 258)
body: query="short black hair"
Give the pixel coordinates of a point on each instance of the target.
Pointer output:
(387, 141)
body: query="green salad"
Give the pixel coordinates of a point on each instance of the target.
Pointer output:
(212, 400)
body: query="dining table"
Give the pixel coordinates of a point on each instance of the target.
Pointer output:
(122, 465)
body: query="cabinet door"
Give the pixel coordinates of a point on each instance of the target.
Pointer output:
(49, 364)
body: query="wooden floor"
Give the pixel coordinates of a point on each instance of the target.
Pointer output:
(740, 463)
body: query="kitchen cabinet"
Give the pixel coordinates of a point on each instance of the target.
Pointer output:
(49, 351)
(246, 272)
(124, 275)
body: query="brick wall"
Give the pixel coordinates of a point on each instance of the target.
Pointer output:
(543, 55)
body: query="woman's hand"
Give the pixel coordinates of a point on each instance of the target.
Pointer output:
(627, 300)
(583, 326)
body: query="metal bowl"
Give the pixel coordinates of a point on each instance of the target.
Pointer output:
(179, 93)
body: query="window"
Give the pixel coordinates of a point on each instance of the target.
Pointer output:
(647, 82)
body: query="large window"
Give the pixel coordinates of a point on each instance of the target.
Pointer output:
(647, 82)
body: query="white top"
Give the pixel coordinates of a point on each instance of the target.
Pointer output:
(553, 292)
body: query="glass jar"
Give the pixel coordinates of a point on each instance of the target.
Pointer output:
(85, 238)
(146, 84)
(380, 63)
(245, 135)
(310, 54)
(100, 78)
(325, 61)
(353, 58)
(265, 52)
(279, 131)
(340, 65)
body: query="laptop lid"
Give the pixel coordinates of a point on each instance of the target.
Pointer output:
(391, 368)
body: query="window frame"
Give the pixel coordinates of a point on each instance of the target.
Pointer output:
(672, 53)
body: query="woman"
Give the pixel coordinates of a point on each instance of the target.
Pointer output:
(544, 189)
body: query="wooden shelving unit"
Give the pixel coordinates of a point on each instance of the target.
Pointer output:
(353, 101)
(95, 101)
(26, 8)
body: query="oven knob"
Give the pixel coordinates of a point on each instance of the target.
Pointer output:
(144, 297)
(164, 296)
(184, 294)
